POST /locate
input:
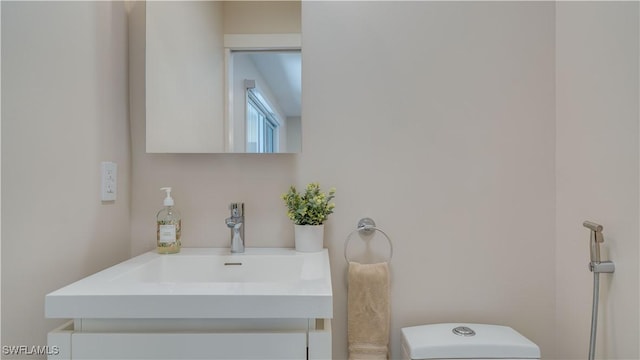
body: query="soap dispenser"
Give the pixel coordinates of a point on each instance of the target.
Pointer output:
(169, 226)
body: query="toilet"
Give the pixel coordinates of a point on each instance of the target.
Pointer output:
(466, 341)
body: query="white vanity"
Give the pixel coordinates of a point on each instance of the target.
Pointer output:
(203, 303)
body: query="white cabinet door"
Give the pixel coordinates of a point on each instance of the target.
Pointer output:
(184, 77)
(184, 346)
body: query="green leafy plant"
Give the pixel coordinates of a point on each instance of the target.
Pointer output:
(311, 207)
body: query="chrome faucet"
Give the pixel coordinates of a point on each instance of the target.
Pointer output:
(236, 223)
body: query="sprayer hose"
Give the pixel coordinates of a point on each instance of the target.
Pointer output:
(594, 315)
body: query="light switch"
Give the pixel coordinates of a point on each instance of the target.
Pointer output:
(109, 180)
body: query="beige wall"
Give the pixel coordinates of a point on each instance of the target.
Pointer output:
(0, 181)
(597, 174)
(248, 17)
(437, 120)
(64, 110)
(294, 134)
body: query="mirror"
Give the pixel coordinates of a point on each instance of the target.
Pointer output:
(264, 101)
(217, 73)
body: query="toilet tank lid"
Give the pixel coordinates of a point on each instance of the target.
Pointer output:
(438, 341)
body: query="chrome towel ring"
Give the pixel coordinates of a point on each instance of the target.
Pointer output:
(367, 226)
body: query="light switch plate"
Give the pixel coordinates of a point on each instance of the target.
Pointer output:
(109, 181)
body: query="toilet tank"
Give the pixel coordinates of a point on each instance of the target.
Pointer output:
(466, 341)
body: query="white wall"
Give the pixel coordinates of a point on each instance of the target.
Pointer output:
(437, 120)
(597, 173)
(64, 110)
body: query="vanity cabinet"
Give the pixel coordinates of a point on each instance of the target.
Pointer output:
(202, 303)
(192, 339)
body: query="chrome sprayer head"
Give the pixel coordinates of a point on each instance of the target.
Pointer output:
(594, 240)
(592, 226)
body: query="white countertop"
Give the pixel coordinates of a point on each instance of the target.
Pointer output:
(203, 283)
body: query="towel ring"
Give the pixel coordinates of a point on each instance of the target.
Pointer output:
(367, 226)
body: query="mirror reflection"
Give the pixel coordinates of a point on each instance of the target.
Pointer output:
(223, 76)
(266, 90)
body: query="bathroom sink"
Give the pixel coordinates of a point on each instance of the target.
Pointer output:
(207, 268)
(203, 283)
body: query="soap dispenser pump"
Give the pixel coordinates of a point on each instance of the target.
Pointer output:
(169, 226)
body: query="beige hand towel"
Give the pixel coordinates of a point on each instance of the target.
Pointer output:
(368, 311)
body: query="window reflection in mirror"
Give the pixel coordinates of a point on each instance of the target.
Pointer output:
(265, 101)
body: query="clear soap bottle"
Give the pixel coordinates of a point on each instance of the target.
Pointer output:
(169, 226)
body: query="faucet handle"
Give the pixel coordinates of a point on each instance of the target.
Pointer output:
(237, 209)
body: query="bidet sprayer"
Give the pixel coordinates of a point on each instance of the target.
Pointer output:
(596, 267)
(595, 239)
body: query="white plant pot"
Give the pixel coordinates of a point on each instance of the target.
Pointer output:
(309, 238)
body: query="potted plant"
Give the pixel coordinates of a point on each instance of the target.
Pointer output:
(309, 210)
